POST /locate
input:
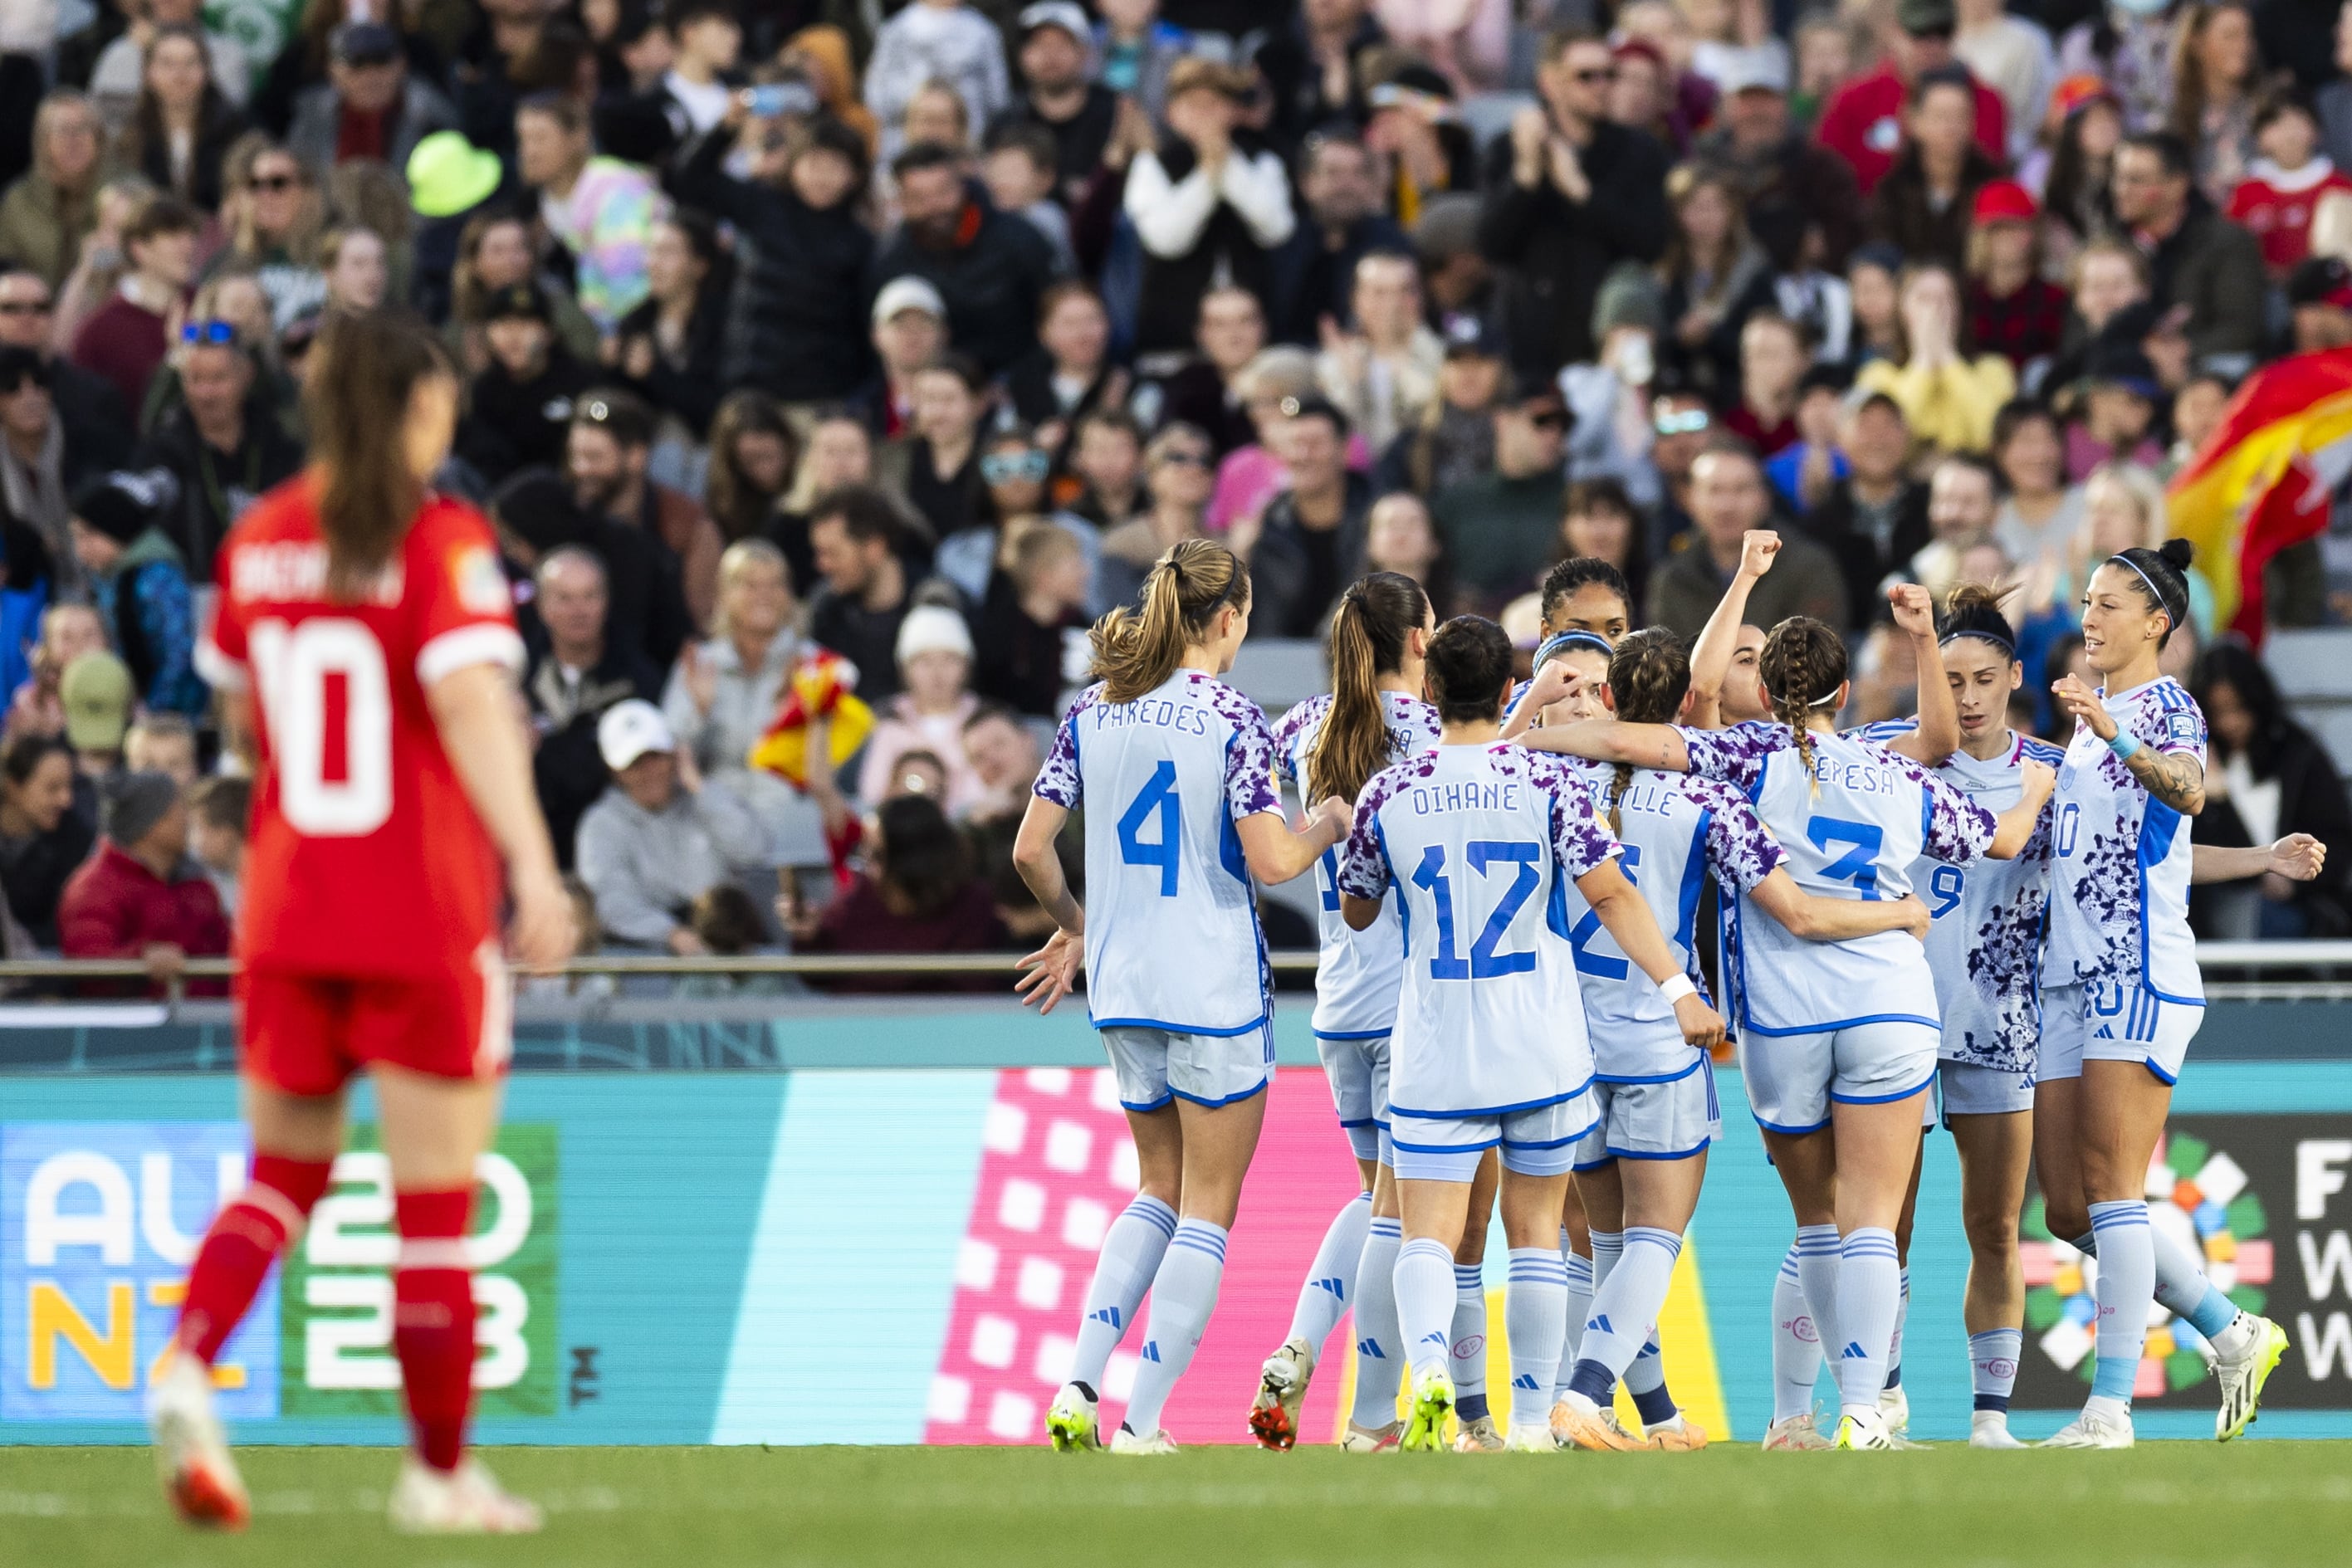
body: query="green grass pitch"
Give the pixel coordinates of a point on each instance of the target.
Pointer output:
(2212, 1507)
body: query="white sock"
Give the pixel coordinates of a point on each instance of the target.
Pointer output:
(1424, 1301)
(1331, 1287)
(1535, 1312)
(1796, 1346)
(1818, 1247)
(1380, 1347)
(1469, 1336)
(1131, 1256)
(1992, 1369)
(1869, 1290)
(1579, 1307)
(1626, 1305)
(1894, 1340)
(1184, 1294)
(2126, 1291)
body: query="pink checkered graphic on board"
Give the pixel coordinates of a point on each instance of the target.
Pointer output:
(1057, 1166)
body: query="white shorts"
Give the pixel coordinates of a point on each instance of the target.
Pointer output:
(1792, 1079)
(1359, 1072)
(2118, 1022)
(1672, 1120)
(1154, 1066)
(1972, 1088)
(1539, 1142)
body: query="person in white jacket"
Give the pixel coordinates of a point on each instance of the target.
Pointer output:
(1206, 211)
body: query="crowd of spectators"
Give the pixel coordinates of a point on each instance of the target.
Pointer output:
(814, 352)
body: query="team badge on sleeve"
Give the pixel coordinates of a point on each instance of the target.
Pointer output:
(2182, 728)
(481, 586)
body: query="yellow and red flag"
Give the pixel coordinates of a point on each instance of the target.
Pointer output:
(2263, 478)
(821, 692)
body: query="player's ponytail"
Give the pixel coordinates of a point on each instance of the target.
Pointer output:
(1469, 670)
(2162, 575)
(1375, 617)
(363, 373)
(1974, 611)
(1136, 650)
(1803, 665)
(1648, 673)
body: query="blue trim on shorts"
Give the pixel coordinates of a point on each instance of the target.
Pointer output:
(1228, 1100)
(1358, 1121)
(1787, 1132)
(1698, 1148)
(1547, 1143)
(1356, 1034)
(1159, 1104)
(1443, 1148)
(1755, 1027)
(1654, 1078)
(1838, 1099)
(1397, 1110)
(2166, 1079)
(1606, 1159)
(1258, 1022)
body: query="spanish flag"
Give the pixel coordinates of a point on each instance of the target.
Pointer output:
(822, 690)
(2263, 478)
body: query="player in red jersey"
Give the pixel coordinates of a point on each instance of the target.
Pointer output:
(365, 654)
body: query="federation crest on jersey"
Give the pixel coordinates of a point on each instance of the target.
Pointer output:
(481, 586)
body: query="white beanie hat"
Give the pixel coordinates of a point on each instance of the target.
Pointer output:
(933, 629)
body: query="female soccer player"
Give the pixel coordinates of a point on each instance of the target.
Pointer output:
(2122, 995)
(369, 935)
(1477, 838)
(1179, 768)
(1840, 1034)
(1640, 1168)
(1330, 745)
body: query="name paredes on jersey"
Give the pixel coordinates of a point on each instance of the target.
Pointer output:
(1465, 796)
(294, 571)
(1186, 718)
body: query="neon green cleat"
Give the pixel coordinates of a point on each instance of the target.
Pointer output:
(2242, 1369)
(1070, 1420)
(1433, 1401)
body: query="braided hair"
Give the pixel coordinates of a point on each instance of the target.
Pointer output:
(2161, 577)
(1649, 674)
(1803, 662)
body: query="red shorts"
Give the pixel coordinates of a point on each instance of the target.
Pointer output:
(307, 1034)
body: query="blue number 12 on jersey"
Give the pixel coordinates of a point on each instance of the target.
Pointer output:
(1484, 855)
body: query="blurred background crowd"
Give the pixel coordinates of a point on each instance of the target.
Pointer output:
(830, 365)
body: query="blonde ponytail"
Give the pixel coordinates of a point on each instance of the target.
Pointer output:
(1134, 651)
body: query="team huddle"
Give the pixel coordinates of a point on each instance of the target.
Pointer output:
(1513, 1015)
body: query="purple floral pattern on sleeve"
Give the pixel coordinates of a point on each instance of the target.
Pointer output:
(1958, 830)
(1579, 839)
(1249, 755)
(1740, 848)
(1364, 870)
(1736, 755)
(2168, 719)
(1290, 734)
(1058, 780)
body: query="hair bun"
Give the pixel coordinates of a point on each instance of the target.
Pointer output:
(2177, 553)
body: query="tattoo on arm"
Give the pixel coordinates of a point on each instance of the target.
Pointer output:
(2173, 777)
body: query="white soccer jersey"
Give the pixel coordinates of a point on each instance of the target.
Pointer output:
(1478, 845)
(2119, 894)
(1985, 946)
(1172, 937)
(1852, 830)
(1676, 829)
(1356, 982)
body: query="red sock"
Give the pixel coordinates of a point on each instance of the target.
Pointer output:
(432, 1321)
(246, 1237)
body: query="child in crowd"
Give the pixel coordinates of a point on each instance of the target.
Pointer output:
(2283, 187)
(218, 809)
(1017, 165)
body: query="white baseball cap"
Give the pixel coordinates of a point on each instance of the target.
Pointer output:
(909, 293)
(629, 730)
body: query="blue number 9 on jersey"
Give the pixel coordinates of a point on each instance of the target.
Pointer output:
(1948, 883)
(1158, 795)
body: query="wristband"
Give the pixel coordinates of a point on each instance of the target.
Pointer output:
(2123, 745)
(1679, 987)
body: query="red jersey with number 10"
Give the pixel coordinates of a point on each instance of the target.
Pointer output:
(366, 859)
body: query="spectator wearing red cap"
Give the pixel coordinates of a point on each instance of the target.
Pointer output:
(1864, 123)
(2283, 188)
(2013, 310)
(1922, 207)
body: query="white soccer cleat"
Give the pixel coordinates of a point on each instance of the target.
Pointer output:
(2092, 1429)
(1281, 1390)
(1478, 1436)
(462, 1501)
(1070, 1420)
(1371, 1440)
(1865, 1431)
(192, 1450)
(2244, 1355)
(1529, 1437)
(1797, 1434)
(1126, 1442)
(1989, 1430)
(1896, 1406)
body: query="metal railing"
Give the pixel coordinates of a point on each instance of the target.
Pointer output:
(2234, 971)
